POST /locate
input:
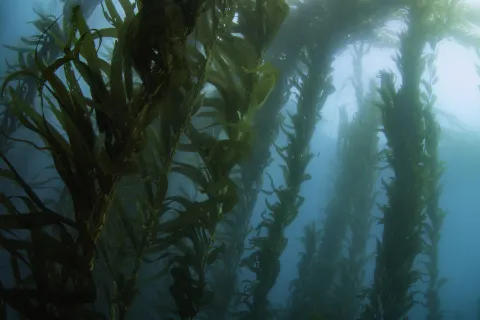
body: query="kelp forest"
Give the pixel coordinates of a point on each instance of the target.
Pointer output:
(160, 133)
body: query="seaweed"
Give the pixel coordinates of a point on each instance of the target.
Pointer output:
(359, 159)
(161, 145)
(105, 131)
(403, 216)
(435, 215)
(301, 288)
(182, 231)
(413, 191)
(314, 87)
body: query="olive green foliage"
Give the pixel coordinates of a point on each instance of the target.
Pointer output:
(403, 120)
(316, 290)
(236, 228)
(137, 114)
(408, 126)
(435, 215)
(185, 96)
(358, 170)
(301, 287)
(314, 87)
(26, 89)
(313, 54)
(340, 209)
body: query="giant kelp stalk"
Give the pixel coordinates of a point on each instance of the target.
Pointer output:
(301, 287)
(339, 210)
(349, 209)
(314, 87)
(359, 160)
(435, 215)
(408, 126)
(90, 162)
(403, 125)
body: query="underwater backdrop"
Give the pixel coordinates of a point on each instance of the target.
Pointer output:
(240, 159)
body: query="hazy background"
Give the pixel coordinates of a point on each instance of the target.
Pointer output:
(458, 93)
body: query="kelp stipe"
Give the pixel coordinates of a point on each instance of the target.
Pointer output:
(435, 215)
(301, 287)
(333, 31)
(402, 119)
(314, 88)
(358, 174)
(391, 296)
(357, 157)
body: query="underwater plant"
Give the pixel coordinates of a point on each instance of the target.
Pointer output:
(126, 112)
(391, 297)
(315, 289)
(313, 67)
(435, 215)
(359, 158)
(189, 242)
(301, 288)
(314, 87)
(161, 145)
(403, 218)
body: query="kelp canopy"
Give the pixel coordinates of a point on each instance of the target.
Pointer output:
(159, 147)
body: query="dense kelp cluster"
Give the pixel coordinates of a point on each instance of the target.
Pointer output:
(316, 289)
(160, 146)
(146, 95)
(312, 59)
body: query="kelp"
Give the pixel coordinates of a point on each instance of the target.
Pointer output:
(359, 159)
(186, 79)
(301, 287)
(26, 87)
(333, 282)
(435, 214)
(90, 162)
(413, 187)
(314, 87)
(188, 241)
(403, 121)
(284, 55)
